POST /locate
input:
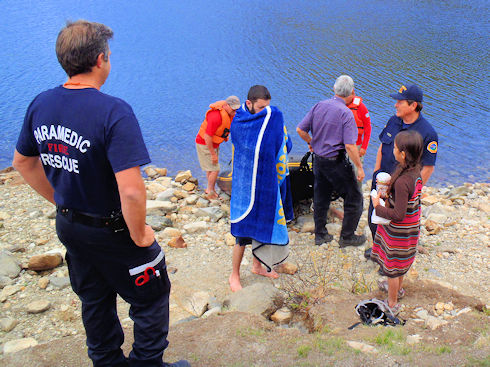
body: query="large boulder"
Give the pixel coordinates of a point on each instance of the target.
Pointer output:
(259, 298)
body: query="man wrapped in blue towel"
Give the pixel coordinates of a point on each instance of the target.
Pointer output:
(261, 203)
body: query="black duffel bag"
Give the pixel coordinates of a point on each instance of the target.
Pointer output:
(302, 179)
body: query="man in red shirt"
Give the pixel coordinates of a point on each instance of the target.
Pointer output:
(214, 130)
(363, 121)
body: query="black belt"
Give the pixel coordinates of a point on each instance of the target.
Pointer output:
(115, 221)
(338, 157)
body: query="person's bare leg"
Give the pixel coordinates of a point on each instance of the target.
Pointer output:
(207, 179)
(400, 283)
(338, 213)
(236, 260)
(393, 287)
(258, 269)
(212, 177)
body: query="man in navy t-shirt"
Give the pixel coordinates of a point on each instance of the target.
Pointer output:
(408, 117)
(82, 150)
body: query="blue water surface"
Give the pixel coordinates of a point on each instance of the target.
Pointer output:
(171, 59)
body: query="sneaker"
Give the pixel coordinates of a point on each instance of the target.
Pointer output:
(395, 309)
(355, 240)
(181, 363)
(383, 286)
(321, 239)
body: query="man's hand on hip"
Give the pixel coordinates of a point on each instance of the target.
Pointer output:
(148, 238)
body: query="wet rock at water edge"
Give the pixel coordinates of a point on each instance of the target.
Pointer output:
(182, 176)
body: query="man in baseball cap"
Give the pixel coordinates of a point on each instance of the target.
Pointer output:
(408, 117)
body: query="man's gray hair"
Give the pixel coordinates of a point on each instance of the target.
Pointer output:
(344, 85)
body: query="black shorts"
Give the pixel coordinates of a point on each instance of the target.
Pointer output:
(243, 241)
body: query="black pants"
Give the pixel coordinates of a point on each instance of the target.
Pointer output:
(373, 227)
(336, 175)
(99, 262)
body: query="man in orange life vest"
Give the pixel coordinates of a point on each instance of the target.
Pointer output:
(214, 130)
(363, 122)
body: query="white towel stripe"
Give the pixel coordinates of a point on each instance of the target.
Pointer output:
(256, 163)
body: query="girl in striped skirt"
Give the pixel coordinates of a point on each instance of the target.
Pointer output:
(395, 243)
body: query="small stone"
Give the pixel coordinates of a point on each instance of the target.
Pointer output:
(172, 270)
(182, 176)
(196, 227)
(214, 213)
(171, 232)
(38, 306)
(308, 227)
(282, 316)
(8, 265)
(448, 306)
(43, 282)
(434, 323)
(166, 195)
(150, 172)
(422, 314)
(286, 268)
(363, 347)
(4, 281)
(230, 240)
(59, 282)
(179, 194)
(463, 311)
(161, 171)
(8, 291)
(413, 339)
(189, 186)
(7, 324)
(430, 200)
(432, 227)
(45, 262)
(439, 306)
(192, 199)
(177, 242)
(16, 345)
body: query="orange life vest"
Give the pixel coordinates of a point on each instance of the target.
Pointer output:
(222, 132)
(354, 106)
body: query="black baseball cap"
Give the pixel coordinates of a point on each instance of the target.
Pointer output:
(412, 92)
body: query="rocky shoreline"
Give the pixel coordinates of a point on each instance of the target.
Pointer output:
(38, 305)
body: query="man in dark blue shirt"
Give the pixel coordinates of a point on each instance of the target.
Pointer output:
(408, 117)
(82, 150)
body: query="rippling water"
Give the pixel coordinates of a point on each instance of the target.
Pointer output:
(171, 59)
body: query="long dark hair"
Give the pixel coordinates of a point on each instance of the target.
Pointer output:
(410, 142)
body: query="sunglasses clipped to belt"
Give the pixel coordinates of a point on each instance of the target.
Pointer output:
(115, 221)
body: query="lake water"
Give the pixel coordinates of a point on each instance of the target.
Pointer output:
(171, 59)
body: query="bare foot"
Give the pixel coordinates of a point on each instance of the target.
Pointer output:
(212, 195)
(265, 273)
(234, 283)
(338, 213)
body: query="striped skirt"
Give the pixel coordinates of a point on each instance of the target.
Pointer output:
(395, 244)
